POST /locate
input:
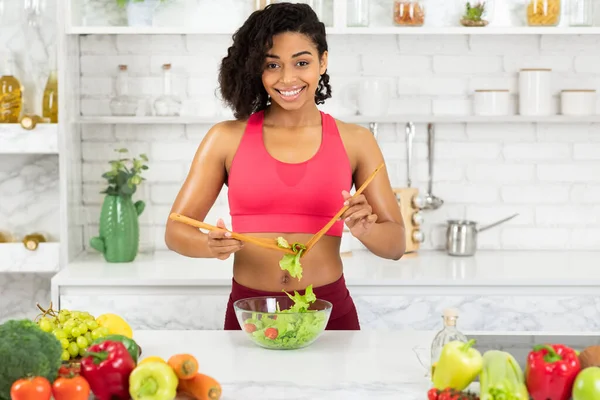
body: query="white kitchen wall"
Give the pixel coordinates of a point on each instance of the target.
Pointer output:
(549, 173)
(29, 193)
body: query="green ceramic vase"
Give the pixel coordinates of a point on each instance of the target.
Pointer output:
(119, 229)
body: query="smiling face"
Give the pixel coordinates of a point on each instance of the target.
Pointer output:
(292, 71)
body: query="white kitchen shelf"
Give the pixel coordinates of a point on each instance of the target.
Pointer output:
(359, 119)
(43, 139)
(391, 30)
(14, 257)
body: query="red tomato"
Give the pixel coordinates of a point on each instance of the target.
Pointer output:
(250, 328)
(67, 388)
(271, 333)
(37, 388)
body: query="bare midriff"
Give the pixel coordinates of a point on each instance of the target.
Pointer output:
(258, 268)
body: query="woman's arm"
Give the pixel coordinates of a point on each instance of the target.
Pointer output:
(386, 238)
(199, 192)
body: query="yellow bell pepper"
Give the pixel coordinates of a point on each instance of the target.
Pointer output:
(458, 366)
(115, 325)
(153, 381)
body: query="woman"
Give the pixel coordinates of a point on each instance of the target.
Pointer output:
(288, 168)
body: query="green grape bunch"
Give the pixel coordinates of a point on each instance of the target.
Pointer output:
(75, 330)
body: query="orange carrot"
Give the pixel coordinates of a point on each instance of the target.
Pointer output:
(184, 365)
(200, 387)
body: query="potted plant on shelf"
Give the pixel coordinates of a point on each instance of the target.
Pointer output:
(473, 15)
(119, 234)
(140, 12)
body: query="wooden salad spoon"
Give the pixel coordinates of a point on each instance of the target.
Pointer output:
(313, 240)
(263, 242)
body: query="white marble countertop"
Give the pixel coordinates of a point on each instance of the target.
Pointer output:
(426, 272)
(340, 365)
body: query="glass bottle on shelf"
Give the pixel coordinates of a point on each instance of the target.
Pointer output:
(260, 4)
(581, 12)
(543, 12)
(50, 100)
(409, 13)
(33, 240)
(11, 93)
(357, 13)
(123, 104)
(448, 334)
(475, 13)
(167, 105)
(6, 237)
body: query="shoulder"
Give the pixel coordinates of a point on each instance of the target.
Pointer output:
(223, 134)
(354, 135)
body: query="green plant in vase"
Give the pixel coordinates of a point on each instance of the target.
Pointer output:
(473, 15)
(119, 233)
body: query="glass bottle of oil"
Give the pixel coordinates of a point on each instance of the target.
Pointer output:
(50, 101)
(33, 240)
(6, 237)
(11, 93)
(448, 334)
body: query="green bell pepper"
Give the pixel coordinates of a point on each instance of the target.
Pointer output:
(132, 347)
(153, 380)
(458, 366)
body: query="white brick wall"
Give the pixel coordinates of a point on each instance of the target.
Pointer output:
(549, 173)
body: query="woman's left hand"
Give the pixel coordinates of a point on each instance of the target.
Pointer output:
(358, 217)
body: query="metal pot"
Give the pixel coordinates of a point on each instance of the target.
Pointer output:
(461, 236)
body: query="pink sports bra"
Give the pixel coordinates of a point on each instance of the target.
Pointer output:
(268, 195)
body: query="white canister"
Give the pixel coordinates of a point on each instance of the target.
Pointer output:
(578, 102)
(491, 102)
(535, 91)
(373, 97)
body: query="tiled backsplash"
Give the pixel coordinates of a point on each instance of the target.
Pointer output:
(546, 172)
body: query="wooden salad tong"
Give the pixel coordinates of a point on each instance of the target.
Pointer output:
(263, 242)
(317, 236)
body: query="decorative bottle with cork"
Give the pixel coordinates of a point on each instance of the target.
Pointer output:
(448, 334)
(167, 105)
(123, 104)
(11, 93)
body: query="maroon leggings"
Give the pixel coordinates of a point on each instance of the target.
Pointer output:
(343, 315)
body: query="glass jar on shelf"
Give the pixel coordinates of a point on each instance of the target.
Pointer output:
(475, 13)
(543, 12)
(123, 104)
(581, 12)
(409, 13)
(357, 13)
(167, 105)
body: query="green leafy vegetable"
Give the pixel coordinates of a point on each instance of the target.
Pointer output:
(290, 329)
(291, 262)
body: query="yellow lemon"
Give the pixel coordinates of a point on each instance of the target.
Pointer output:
(152, 359)
(115, 325)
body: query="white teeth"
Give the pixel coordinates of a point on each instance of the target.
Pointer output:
(292, 93)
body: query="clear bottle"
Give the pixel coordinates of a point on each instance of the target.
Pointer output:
(167, 105)
(543, 12)
(448, 334)
(581, 13)
(11, 93)
(123, 104)
(50, 101)
(409, 13)
(33, 240)
(357, 13)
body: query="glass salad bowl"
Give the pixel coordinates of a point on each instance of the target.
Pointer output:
(282, 322)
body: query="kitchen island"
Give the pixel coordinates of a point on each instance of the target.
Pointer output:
(494, 290)
(340, 365)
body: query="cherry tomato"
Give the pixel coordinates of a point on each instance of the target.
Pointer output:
(71, 388)
(36, 388)
(271, 333)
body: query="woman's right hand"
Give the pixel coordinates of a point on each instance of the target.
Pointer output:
(221, 244)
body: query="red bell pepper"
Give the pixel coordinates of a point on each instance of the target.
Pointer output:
(107, 366)
(551, 371)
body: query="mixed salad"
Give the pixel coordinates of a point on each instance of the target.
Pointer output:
(289, 329)
(291, 262)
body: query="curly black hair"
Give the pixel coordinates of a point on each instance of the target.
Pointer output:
(240, 74)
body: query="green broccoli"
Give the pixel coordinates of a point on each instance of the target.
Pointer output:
(26, 350)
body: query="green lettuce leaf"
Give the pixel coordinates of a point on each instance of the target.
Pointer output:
(291, 262)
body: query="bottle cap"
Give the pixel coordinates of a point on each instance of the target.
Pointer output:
(450, 313)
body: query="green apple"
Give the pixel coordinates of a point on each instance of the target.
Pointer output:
(587, 384)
